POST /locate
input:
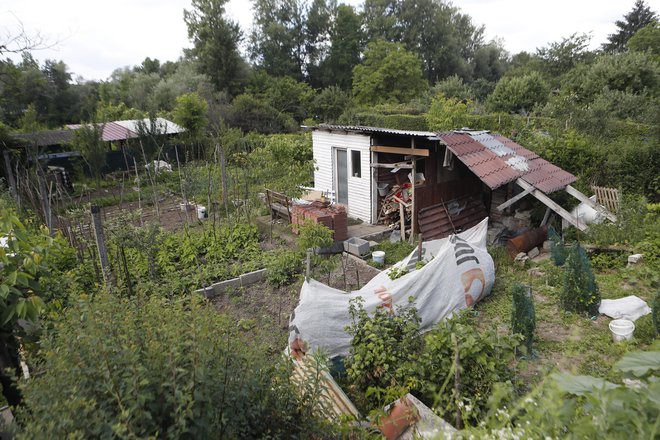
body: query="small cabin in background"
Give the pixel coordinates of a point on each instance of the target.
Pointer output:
(446, 181)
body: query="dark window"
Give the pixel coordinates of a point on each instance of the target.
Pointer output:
(356, 165)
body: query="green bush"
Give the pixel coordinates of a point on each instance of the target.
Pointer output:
(149, 367)
(579, 293)
(523, 316)
(283, 267)
(384, 353)
(608, 260)
(485, 359)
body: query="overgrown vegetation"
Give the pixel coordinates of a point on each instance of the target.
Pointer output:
(151, 367)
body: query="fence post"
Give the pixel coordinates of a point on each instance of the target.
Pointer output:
(100, 244)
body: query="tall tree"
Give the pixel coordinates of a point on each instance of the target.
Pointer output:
(318, 24)
(215, 39)
(560, 57)
(277, 42)
(346, 42)
(639, 17)
(438, 32)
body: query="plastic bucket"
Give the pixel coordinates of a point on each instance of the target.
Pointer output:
(622, 329)
(378, 256)
(201, 212)
(382, 189)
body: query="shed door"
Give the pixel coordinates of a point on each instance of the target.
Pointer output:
(342, 177)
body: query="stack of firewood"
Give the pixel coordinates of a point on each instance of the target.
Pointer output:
(390, 209)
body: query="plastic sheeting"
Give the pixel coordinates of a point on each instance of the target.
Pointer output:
(459, 272)
(631, 307)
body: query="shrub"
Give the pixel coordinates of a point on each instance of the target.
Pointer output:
(283, 267)
(579, 293)
(523, 316)
(384, 351)
(118, 368)
(485, 359)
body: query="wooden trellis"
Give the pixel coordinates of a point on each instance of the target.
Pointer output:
(608, 197)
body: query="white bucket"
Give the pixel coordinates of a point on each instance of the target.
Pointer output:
(378, 256)
(622, 329)
(201, 212)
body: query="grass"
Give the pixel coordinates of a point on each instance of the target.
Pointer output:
(566, 341)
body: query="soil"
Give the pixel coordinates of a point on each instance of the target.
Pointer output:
(264, 310)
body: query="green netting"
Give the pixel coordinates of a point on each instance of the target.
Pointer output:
(558, 251)
(580, 293)
(523, 315)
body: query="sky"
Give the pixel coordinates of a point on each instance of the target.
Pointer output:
(94, 38)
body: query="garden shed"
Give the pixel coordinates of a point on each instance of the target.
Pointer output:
(460, 177)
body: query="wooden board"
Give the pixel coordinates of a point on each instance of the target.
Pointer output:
(400, 150)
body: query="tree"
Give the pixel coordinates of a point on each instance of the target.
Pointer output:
(346, 42)
(639, 17)
(560, 57)
(277, 43)
(647, 39)
(215, 43)
(388, 74)
(443, 38)
(284, 94)
(519, 94)
(329, 104)
(317, 38)
(523, 315)
(252, 114)
(191, 113)
(489, 62)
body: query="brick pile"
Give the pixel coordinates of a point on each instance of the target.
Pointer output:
(331, 216)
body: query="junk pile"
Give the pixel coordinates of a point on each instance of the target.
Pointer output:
(458, 273)
(332, 216)
(398, 201)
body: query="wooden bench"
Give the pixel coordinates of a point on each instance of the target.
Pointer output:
(279, 205)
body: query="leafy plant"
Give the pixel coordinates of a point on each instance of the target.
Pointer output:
(283, 267)
(384, 352)
(523, 315)
(484, 359)
(567, 406)
(157, 368)
(579, 292)
(396, 272)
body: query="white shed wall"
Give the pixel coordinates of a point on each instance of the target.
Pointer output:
(359, 188)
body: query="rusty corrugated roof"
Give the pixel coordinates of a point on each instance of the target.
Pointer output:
(497, 161)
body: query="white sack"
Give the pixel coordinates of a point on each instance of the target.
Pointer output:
(630, 307)
(459, 273)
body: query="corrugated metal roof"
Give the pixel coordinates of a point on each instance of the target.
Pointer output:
(370, 130)
(45, 138)
(163, 125)
(497, 161)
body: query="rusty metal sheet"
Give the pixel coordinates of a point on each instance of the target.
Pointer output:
(456, 215)
(497, 161)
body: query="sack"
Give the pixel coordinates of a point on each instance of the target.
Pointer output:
(459, 272)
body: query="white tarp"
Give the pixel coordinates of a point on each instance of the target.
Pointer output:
(631, 307)
(459, 272)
